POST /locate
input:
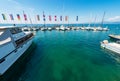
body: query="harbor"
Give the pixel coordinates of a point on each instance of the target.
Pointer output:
(76, 53)
(59, 40)
(63, 28)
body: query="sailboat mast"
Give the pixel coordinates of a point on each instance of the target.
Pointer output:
(90, 20)
(24, 17)
(103, 19)
(44, 18)
(95, 21)
(30, 21)
(63, 11)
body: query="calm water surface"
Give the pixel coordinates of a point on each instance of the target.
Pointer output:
(72, 56)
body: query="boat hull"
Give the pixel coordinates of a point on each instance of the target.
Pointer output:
(18, 66)
(14, 56)
(112, 47)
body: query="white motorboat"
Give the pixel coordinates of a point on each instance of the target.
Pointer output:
(114, 46)
(13, 43)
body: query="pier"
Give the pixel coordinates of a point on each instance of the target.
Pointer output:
(63, 28)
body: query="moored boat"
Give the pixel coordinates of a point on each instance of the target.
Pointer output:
(13, 43)
(116, 37)
(114, 46)
(49, 28)
(62, 28)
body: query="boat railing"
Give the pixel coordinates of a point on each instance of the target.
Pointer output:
(18, 46)
(22, 40)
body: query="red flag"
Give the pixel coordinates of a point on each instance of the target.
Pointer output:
(66, 18)
(18, 16)
(25, 17)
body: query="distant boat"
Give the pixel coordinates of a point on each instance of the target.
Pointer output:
(82, 28)
(62, 28)
(57, 28)
(49, 28)
(67, 28)
(116, 37)
(43, 29)
(77, 28)
(100, 28)
(73, 28)
(105, 29)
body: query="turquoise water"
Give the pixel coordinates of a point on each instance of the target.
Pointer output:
(72, 56)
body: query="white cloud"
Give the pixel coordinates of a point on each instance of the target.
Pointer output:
(114, 19)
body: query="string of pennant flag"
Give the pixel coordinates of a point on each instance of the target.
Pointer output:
(56, 18)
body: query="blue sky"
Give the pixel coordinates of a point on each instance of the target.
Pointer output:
(87, 10)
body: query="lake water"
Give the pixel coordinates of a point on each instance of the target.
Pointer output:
(72, 56)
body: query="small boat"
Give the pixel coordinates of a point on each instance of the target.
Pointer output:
(82, 28)
(77, 28)
(43, 29)
(57, 28)
(35, 29)
(73, 28)
(67, 28)
(105, 29)
(49, 28)
(115, 46)
(99, 28)
(94, 29)
(116, 37)
(62, 28)
(88, 28)
(25, 29)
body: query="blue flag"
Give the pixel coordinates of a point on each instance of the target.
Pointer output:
(76, 18)
(60, 18)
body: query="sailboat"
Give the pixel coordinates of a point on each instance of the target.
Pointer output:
(100, 28)
(62, 28)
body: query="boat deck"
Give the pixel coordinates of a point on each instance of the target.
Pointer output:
(115, 36)
(112, 46)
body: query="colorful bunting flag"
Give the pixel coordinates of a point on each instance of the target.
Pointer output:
(76, 18)
(4, 17)
(25, 16)
(38, 17)
(11, 17)
(66, 18)
(18, 17)
(60, 18)
(44, 16)
(55, 18)
(50, 19)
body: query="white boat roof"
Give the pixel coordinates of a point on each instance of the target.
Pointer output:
(6, 27)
